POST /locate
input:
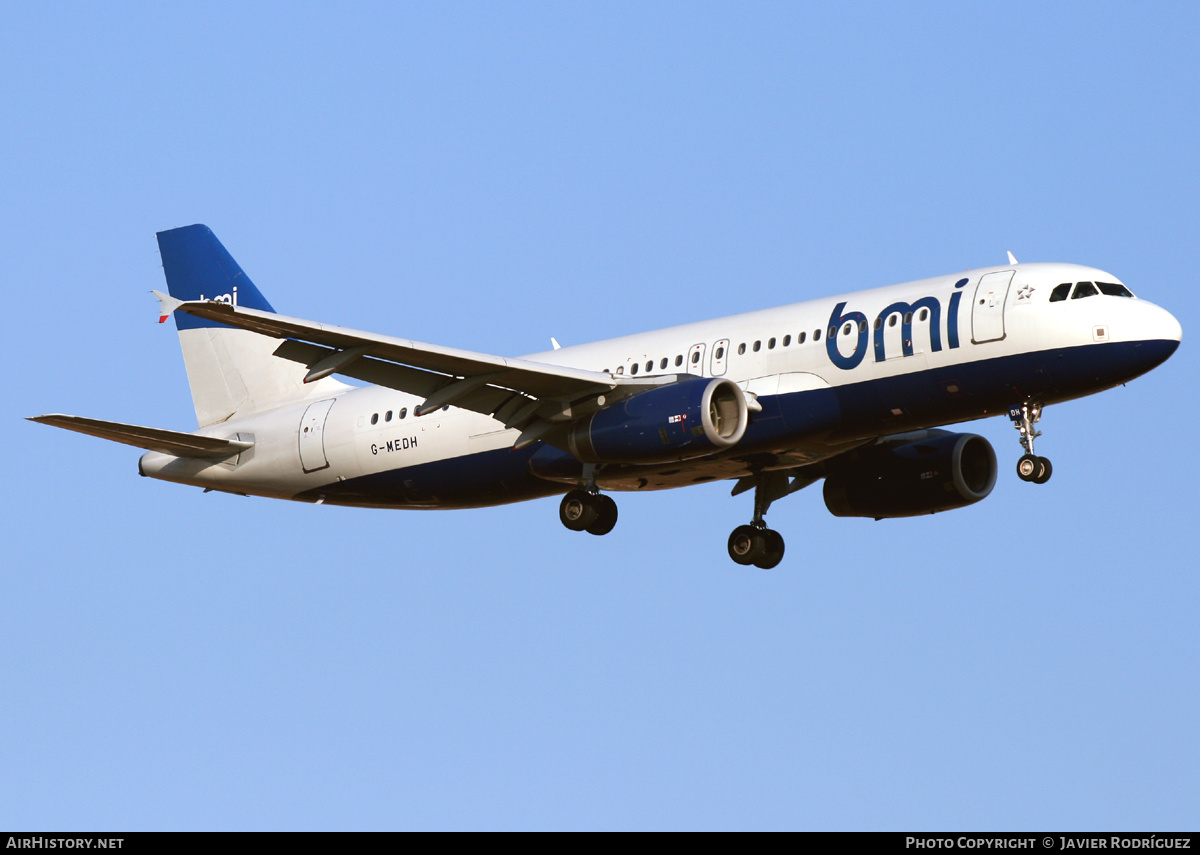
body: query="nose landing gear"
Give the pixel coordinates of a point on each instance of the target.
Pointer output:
(1030, 467)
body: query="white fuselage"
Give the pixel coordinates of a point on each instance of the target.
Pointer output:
(972, 344)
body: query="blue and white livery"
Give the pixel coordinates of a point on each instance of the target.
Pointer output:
(850, 389)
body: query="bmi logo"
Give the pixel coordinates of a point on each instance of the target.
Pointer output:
(927, 309)
(231, 299)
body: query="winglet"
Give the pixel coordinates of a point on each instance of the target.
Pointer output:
(1012, 259)
(167, 305)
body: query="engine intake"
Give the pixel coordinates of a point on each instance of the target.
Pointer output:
(687, 419)
(938, 472)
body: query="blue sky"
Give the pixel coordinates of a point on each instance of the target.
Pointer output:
(487, 176)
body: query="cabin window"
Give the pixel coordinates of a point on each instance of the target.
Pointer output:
(695, 357)
(924, 314)
(720, 354)
(620, 369)
(663, 365)
(387, 417)
(757, 346)
(845, 330)
(771, 344)
(908, 317)
(374, 418)
(1060, 292)
(742, 349)
(892, 319)
(633, 368)
(817, 335)
(649, 364)
(1084, 289)
(403, 412)
(878, 323)
(679, 360)
(800, 338)
(787, 339)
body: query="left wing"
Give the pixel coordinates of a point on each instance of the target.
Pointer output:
(534, 397)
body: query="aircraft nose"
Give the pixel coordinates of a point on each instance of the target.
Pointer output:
(1170, 327)
(1159, 336)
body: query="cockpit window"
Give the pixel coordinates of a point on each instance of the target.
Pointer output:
(1060, 292)
(1084, 289)
(1113, 289)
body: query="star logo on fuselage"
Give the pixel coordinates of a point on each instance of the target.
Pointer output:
(1025, 292)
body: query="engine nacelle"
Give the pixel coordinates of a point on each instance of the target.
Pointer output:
(938, 472)
(679, 421)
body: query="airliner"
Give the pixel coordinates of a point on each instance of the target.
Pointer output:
(848, 389)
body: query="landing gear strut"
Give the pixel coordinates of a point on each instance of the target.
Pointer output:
(755, 543)
(1030, 467)
(588, 509)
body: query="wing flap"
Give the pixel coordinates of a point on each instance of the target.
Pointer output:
(414, 381)
(171, 442)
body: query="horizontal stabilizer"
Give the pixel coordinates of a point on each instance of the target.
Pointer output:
(171, 442)
(167, 305)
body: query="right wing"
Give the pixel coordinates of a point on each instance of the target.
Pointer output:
(171, 442)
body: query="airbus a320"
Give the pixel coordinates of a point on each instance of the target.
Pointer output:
(850, 389)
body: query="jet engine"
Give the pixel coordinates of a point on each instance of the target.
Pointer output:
(938, 472)
(687, 419)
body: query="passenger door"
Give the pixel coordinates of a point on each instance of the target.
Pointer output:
(987, 312)
(312, 436)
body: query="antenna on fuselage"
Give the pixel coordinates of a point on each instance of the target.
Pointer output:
(1012, 259)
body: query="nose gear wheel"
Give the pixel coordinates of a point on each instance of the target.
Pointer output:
(1030, 467)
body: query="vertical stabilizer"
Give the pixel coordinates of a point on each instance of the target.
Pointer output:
(231, 372)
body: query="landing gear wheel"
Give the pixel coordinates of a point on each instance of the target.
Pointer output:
(1029, 466)
(579, 510)
(772, 552)
(745, 544)
(762, 547)
(606, 515)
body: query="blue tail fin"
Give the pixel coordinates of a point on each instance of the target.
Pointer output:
(198, 267)
(232, 372)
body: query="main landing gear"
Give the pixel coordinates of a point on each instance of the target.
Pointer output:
(588, 509)
(755, 543)
(1030, 467)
